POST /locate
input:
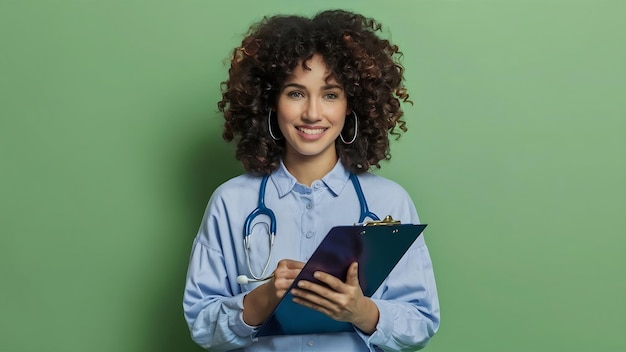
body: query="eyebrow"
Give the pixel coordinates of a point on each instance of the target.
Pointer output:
(300, 86)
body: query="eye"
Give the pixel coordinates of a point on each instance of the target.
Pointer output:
(295, 94)
(331, 96)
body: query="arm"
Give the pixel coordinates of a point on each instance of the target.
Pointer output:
(213, 301)
(408, 303)
(213, 312)
(219, 320)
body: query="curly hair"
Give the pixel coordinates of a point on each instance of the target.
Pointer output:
(367, 66)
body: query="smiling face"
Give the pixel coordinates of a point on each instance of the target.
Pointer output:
(311, 109)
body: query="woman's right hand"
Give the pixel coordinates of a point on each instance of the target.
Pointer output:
(286, 271)
(260, 302)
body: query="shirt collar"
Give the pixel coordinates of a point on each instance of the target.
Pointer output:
(335, 180)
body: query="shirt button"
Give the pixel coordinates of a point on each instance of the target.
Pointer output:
(316, 185)
(309, 205)
(309, 343)
(309, 234)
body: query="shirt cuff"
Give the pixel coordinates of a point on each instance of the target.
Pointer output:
(235, 321)
(384, 328)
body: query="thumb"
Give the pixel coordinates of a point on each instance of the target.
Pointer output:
(352, 278)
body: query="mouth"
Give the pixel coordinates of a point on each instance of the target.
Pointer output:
(311, 131)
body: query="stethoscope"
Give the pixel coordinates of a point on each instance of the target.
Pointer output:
(261, 209)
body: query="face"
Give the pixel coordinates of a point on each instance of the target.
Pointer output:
(311, 112)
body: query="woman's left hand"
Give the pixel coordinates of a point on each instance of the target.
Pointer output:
(343, 301)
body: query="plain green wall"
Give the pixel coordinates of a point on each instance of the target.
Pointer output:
(110, 147)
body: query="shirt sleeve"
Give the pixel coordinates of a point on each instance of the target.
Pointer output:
(212, 307)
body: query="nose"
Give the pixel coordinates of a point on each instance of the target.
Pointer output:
(312, 110)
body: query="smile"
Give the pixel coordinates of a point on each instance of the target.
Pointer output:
(311, 131)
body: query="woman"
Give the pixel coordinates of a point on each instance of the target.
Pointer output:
(310, 102)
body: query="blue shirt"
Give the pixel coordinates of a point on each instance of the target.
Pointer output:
(213, 300)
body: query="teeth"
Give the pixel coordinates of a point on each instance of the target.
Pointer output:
(312, 131)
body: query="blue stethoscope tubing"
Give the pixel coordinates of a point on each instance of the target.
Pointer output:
(262, 209)
(365, 211)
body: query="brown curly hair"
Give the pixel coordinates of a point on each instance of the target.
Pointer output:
(366, 65)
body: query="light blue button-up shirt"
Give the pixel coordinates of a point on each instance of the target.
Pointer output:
(213, 300)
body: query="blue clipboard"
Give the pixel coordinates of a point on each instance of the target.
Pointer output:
(376, 248)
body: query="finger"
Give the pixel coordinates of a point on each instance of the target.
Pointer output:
(352, 278)
(310, 289)
(332, 281)
(294, 264)
(288, 269)
(313, 301)
(290, 264)
(303, 302)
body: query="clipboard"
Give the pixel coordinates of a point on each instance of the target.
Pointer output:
(377, 246)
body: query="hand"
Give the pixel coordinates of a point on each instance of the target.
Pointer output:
(286, 271)
(259, 303)
(342, 301)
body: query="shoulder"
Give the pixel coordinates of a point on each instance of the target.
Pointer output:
(237, 189)
(237, 182)
(232, 198)
(374, 183)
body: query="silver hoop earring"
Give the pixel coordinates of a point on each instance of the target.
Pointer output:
(356, 124)
(269, 126)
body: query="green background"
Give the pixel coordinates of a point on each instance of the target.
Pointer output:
(110, 146)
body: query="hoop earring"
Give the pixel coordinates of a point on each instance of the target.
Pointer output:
(356, 123)
(269, 126)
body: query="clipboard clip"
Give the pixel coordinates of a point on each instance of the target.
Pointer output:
(387, 221)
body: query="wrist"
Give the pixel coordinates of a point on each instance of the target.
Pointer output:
(368, 319)
(257, 305)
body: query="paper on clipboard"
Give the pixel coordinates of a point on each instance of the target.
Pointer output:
(377, 249)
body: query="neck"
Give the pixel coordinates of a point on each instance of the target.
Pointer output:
(306, 169)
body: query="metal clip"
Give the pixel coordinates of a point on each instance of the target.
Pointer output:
(387, 221)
